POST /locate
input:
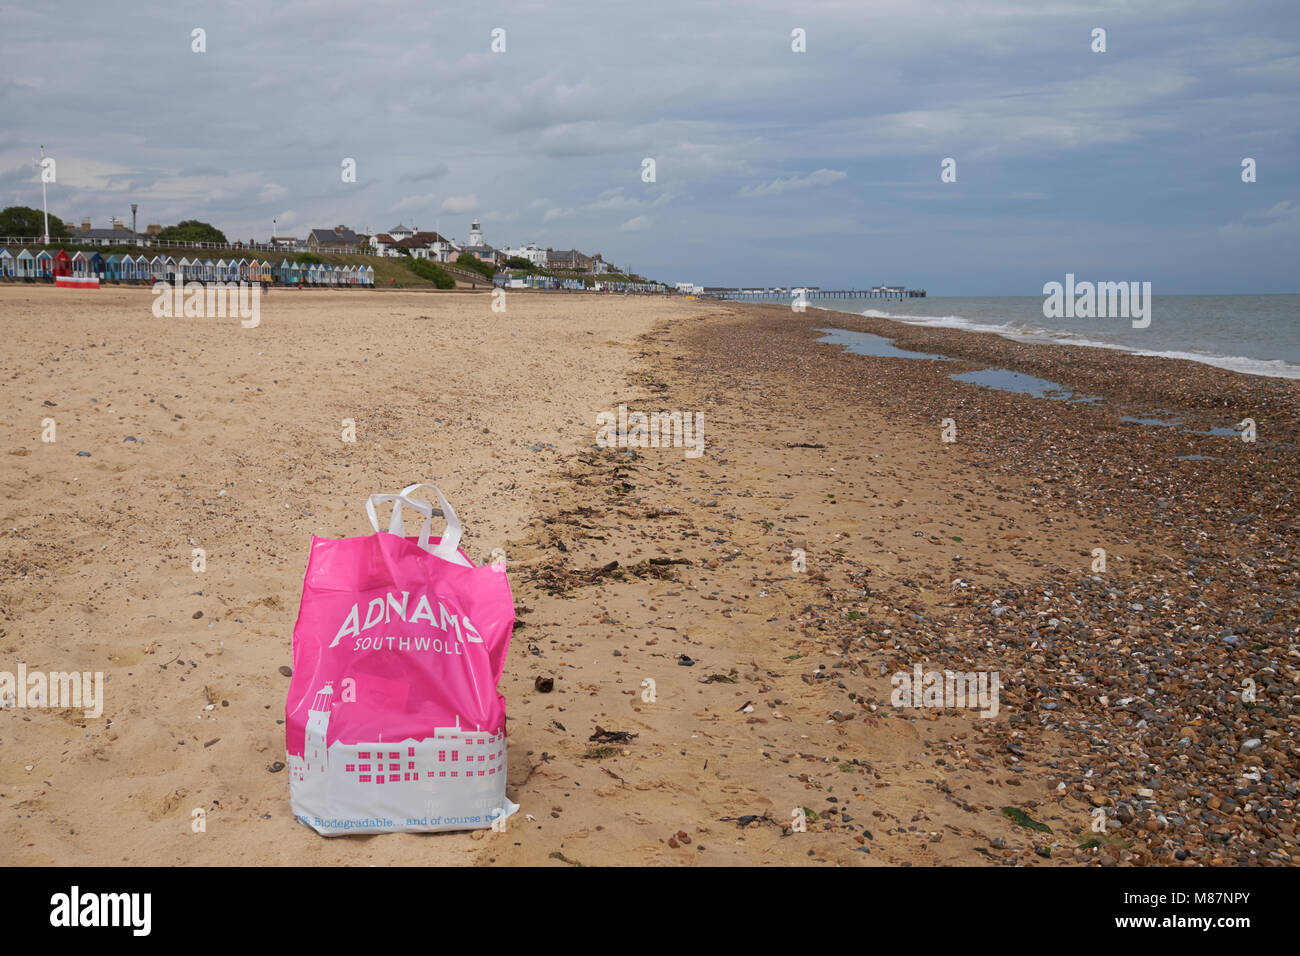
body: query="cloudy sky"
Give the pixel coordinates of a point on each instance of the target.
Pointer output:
(771, 166)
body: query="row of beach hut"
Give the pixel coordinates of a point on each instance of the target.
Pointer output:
(126, 268)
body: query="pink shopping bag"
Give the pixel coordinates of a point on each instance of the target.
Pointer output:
(393, 720)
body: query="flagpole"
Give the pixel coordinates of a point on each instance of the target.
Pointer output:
(45, 208)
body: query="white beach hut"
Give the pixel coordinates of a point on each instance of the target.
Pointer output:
(25, 265)
(81, 264)
(370, 275)
(126, 268)
(222, 269)
(8, 263)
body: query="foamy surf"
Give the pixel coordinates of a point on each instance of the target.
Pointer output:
(1020, 331)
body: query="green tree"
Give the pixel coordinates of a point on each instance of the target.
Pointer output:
(435, 273)
(192, 230)
(519, 262)
(25, 221)
(471, 263)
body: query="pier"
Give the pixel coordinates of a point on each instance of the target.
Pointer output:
(810, 293)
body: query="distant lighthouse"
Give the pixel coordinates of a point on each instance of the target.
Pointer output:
(475, 234)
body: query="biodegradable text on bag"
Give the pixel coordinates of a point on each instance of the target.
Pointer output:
(393, 720)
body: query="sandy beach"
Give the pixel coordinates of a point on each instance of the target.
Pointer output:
(1161, 691)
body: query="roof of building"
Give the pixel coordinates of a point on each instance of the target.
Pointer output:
(327, 236)
(126, 235)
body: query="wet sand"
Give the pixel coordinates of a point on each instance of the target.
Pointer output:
(1120, 690)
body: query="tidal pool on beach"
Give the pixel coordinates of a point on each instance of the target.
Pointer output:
(876, 346)
(1005, 380)
(1000, 379)
(1157, 422)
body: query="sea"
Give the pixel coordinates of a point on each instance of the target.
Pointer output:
(1256, 334)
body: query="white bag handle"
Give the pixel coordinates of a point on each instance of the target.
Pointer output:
(396, 525)
(447, 547)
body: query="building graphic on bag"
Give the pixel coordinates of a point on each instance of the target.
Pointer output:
(452, 753)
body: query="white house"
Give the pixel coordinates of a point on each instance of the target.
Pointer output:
(384, 244)
(530, 252)
(417, 244)
(430, 245)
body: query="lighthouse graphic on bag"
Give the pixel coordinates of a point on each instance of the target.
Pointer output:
(402, 727)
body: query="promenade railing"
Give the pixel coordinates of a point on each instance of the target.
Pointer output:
(176, 244)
